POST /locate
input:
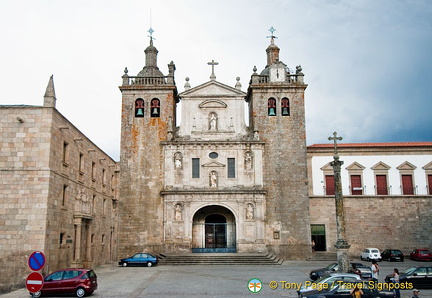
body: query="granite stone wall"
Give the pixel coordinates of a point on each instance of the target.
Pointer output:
(400, 222)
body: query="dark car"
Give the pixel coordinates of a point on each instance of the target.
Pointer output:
(341, 290)
(333, 267)
(139, 259)
(80, 282)
(327, 281)
(421, 254)
(420, 277)
(392, 255)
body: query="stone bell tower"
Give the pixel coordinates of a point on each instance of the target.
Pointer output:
(147, 119)
(277, 117)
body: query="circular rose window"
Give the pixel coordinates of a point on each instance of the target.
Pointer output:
(213, 155)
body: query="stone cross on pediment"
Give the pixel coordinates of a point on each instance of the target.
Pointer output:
(335, 138)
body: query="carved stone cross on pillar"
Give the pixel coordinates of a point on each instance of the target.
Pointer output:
(212, 63)
(341, 245)
(335, 138)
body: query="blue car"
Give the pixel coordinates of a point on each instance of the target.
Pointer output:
(139, 259)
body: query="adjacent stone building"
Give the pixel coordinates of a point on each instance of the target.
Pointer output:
(58, 193)
(387, 190)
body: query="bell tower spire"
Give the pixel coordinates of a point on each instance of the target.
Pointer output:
(277, 117)
(150, 69)
(148, 119)
(272, 50)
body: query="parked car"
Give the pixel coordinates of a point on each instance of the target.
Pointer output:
(80, 282)
(420, 277)
(340, 290)
(139, 259)
(392, 255)
(371, 253)
(329, 280)
(344, 289)
(333, 267)
(421, 254)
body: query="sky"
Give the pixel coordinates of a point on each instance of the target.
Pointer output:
(367, 63)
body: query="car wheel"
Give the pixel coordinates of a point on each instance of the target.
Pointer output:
(124, 264)
(149, 264)
(80, 292)
(36, 295)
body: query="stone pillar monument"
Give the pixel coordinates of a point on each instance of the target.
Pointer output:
(342, 245)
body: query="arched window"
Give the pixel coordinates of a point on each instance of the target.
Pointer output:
(285, 107)
(271, 106)
(139, 107)
(155, 108)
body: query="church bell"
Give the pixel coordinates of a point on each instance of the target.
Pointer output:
(155, 111)
(140, 112)
(272, 112)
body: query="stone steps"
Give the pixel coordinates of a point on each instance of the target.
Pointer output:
(219, 259)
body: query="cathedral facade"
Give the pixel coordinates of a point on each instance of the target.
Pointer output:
(213, 183)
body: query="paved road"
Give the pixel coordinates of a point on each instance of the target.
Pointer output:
(209, 281)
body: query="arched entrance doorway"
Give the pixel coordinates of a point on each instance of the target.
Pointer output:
(214, 230)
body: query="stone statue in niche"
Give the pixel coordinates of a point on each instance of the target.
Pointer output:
(178, 158)
(213, 121)
(249, 211)
(213, 179)
(248, 160)
(178, 212)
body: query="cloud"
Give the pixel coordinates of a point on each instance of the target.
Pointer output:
(367, 62)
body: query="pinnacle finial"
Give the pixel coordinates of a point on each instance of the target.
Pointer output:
(272, 36)
(50, 97)
(150, 31)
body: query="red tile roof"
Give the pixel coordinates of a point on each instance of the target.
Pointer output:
(370, 145)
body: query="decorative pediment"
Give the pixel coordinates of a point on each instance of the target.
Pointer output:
(406, 166)
(213, 89)
(355, 166)
(381, 167)
(428, 167)
(327, 167)
(212, 103)
(213, 164)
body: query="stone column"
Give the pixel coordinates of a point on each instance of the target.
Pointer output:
(77, 251)
(342, 245)
(88, 242)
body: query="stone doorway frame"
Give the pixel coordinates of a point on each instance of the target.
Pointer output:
(201, 230)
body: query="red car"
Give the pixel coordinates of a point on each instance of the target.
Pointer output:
(421, 254)
(80, 282)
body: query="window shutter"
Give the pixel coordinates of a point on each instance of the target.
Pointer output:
(430, 184)
(407, 185)
(356, 187)
(381, 184)
(329, 184)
